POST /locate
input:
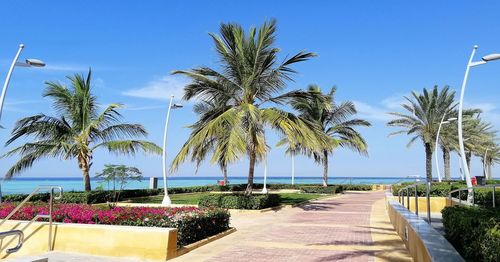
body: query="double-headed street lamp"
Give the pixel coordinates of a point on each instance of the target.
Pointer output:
(166, 199)
(437, 141)
(28, 63)
(264, 189)
(484, 60)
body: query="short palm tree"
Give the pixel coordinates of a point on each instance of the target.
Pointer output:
(335, 121)
(249, 79)
(77, 130)
(425, 113)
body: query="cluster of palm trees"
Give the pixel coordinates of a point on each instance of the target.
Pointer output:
(245, 98)
(425, 112)
(236, 105)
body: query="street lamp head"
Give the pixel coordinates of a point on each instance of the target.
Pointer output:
(175, 106)
(491, 57)
(451, 119)
(35, 62)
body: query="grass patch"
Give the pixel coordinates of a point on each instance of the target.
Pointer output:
(193, 198)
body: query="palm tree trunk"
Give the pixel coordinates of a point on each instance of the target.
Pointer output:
(428, 161)
(84, 166)
(251, 171)
(224, 172)
(446, 160)
(325, 168)
(488, 170)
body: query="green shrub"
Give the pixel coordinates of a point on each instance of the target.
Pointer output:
(195, 228)
(356, 187)
(239, 201)
(321, 189)
(438, 189)
(473, 231)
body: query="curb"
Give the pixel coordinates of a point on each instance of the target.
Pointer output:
(186, 249)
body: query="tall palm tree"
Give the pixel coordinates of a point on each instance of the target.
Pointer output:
(77, 130)
(335, 121)
(426, 111)
(250, 77)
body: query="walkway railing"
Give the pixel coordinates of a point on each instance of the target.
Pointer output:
(450, 197)
(413, 187)
(52, 191)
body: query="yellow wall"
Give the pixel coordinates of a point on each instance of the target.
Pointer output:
(104, 240)
(414, 244)
(437, 203)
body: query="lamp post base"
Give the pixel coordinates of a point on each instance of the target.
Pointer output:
(264, 190)
(166, 201)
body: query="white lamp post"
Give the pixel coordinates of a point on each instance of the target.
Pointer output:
(484, 163)
(28, 63)
(293, 169)
(166, 199)
(470, 64)
(264, 189)
(437, 142)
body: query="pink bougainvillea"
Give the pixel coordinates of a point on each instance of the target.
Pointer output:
(88, 214)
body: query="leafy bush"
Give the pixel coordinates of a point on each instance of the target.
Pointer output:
(321, 189)
(473, 231)
(356, 187)
(193, 224)
(240, 201)
(438, 189)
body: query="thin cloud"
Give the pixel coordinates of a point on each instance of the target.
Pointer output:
(145, 108)
(160, 89)
(370, 112)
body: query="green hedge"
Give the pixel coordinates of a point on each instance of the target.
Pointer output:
(437, 188)
(321, 189)
(473, 231)
(194, 228)
(356, 187)
(239, 201)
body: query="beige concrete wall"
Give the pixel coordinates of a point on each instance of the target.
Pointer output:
(411, 239)
(437, 203)
(104, 240)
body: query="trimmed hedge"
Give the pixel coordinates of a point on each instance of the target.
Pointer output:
(437, 188)
(239, 201)
(356, 187)
(103, 196)
(473, 231)
(194, 228)
(321, 189)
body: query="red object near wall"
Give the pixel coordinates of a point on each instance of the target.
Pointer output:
(473, 180)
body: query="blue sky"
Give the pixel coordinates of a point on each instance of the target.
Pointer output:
(373, 51)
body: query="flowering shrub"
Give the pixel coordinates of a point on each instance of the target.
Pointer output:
(192, 223)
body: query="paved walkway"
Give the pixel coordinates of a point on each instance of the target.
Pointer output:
(350, 227)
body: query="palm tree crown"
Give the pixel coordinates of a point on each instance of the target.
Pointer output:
(249, 78)
(427, 110)
(335, 121)
(77, 130)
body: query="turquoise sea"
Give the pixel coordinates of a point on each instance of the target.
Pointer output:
(27, 184)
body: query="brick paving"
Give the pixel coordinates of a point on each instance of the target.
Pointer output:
(337, 229)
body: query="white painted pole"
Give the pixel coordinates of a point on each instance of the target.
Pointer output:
(460, 131)
(264, 189)
(166, 199)
(293, 169)
(436, 147)
(7, 79)
(484, 163)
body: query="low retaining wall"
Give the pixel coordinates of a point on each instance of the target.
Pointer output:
(104, 240)
(422, 241)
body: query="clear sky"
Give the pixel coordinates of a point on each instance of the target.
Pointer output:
(373, 51)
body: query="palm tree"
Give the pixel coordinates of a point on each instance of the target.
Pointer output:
(426, 111)
(335, 121)
(77, 130)
(249, 78)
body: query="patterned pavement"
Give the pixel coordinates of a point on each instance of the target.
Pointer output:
(351, 227)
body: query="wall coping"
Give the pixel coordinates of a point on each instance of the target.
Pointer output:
(437, 246)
